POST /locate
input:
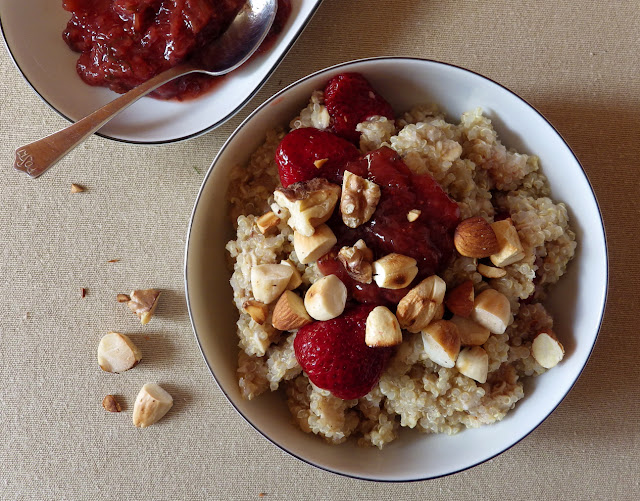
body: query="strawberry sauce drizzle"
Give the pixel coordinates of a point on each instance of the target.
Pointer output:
(429, 239)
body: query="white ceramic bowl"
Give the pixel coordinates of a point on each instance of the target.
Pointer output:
(32, 30)
(577, 302)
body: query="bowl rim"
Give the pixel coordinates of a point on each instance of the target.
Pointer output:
(201, 132)
(274, 98)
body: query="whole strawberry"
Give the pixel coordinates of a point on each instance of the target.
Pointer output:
(335, 357)
(307, 153)
(350, 99)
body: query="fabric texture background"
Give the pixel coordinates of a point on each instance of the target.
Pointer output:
(576, 61)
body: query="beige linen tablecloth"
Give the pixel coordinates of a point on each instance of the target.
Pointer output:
(577, 61)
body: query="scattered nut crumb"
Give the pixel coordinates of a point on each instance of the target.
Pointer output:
(123, 298)
(414, 214)
(76, 188)
(267, 223)
(320, 163)
(111, 404)
(113, 260)
(262, 494)
(144, 303)
(83, 292)
(257, 311)
(491, 271)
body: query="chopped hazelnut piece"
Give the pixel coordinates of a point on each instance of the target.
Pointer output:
(439, 312)
(152, 403)
(492, 310)
(111, 404)
(441, 342)
(117, 353)
(320, 163)
(394, 271)
(268, 281)
(256, 310)
(547, 350)
(460, 299)
(491, 271)
(473, 362)
(308, 249)
(289, 313)
(267, 223)
(382, 328)
(296, 279)
(471, 333)
(143, 303)
(123, 298)
(310, 203)
(76, 188)
(510, 248)
(326, 298)
(357, 261)
(413, 215)
(420, 305)
(359, 199)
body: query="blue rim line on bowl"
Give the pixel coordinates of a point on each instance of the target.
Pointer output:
(275, 97)
(183, 138)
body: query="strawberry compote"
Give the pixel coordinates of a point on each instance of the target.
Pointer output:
(123, 43)
(428, 239)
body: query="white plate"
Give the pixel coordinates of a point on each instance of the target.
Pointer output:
(33, 29)
(577, 302)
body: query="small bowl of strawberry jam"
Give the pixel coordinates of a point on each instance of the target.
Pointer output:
(324, 374)
(79, 54)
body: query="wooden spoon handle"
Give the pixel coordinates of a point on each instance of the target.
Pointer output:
(35, 158)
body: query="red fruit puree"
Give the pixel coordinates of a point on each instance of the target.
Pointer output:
(123, 43)
(429, 239)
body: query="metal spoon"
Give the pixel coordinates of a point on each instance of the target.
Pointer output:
(245, 34)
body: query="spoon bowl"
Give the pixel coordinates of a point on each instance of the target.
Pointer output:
(225, 54)
(243, 37)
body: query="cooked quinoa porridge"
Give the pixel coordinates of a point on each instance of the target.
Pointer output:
(459, 364)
